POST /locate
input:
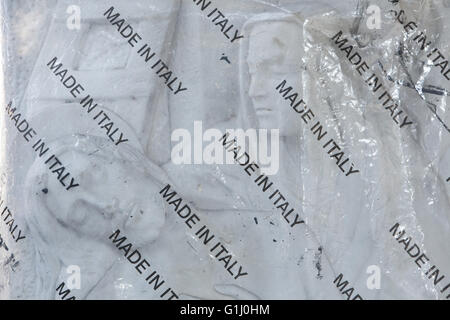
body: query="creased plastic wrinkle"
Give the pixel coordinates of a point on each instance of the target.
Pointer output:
(239, 149)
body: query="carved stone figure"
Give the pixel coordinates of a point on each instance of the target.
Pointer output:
(228, 197)
(118, 184)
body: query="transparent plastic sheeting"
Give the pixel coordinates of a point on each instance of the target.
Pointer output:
(119, 180)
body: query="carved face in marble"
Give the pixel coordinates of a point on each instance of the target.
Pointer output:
(114, 193)
(274, 53)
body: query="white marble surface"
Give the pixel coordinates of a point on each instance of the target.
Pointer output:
(402, 176)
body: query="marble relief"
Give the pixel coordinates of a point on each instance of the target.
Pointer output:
(340, 226)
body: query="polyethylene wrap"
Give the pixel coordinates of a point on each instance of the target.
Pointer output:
(238, 149)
